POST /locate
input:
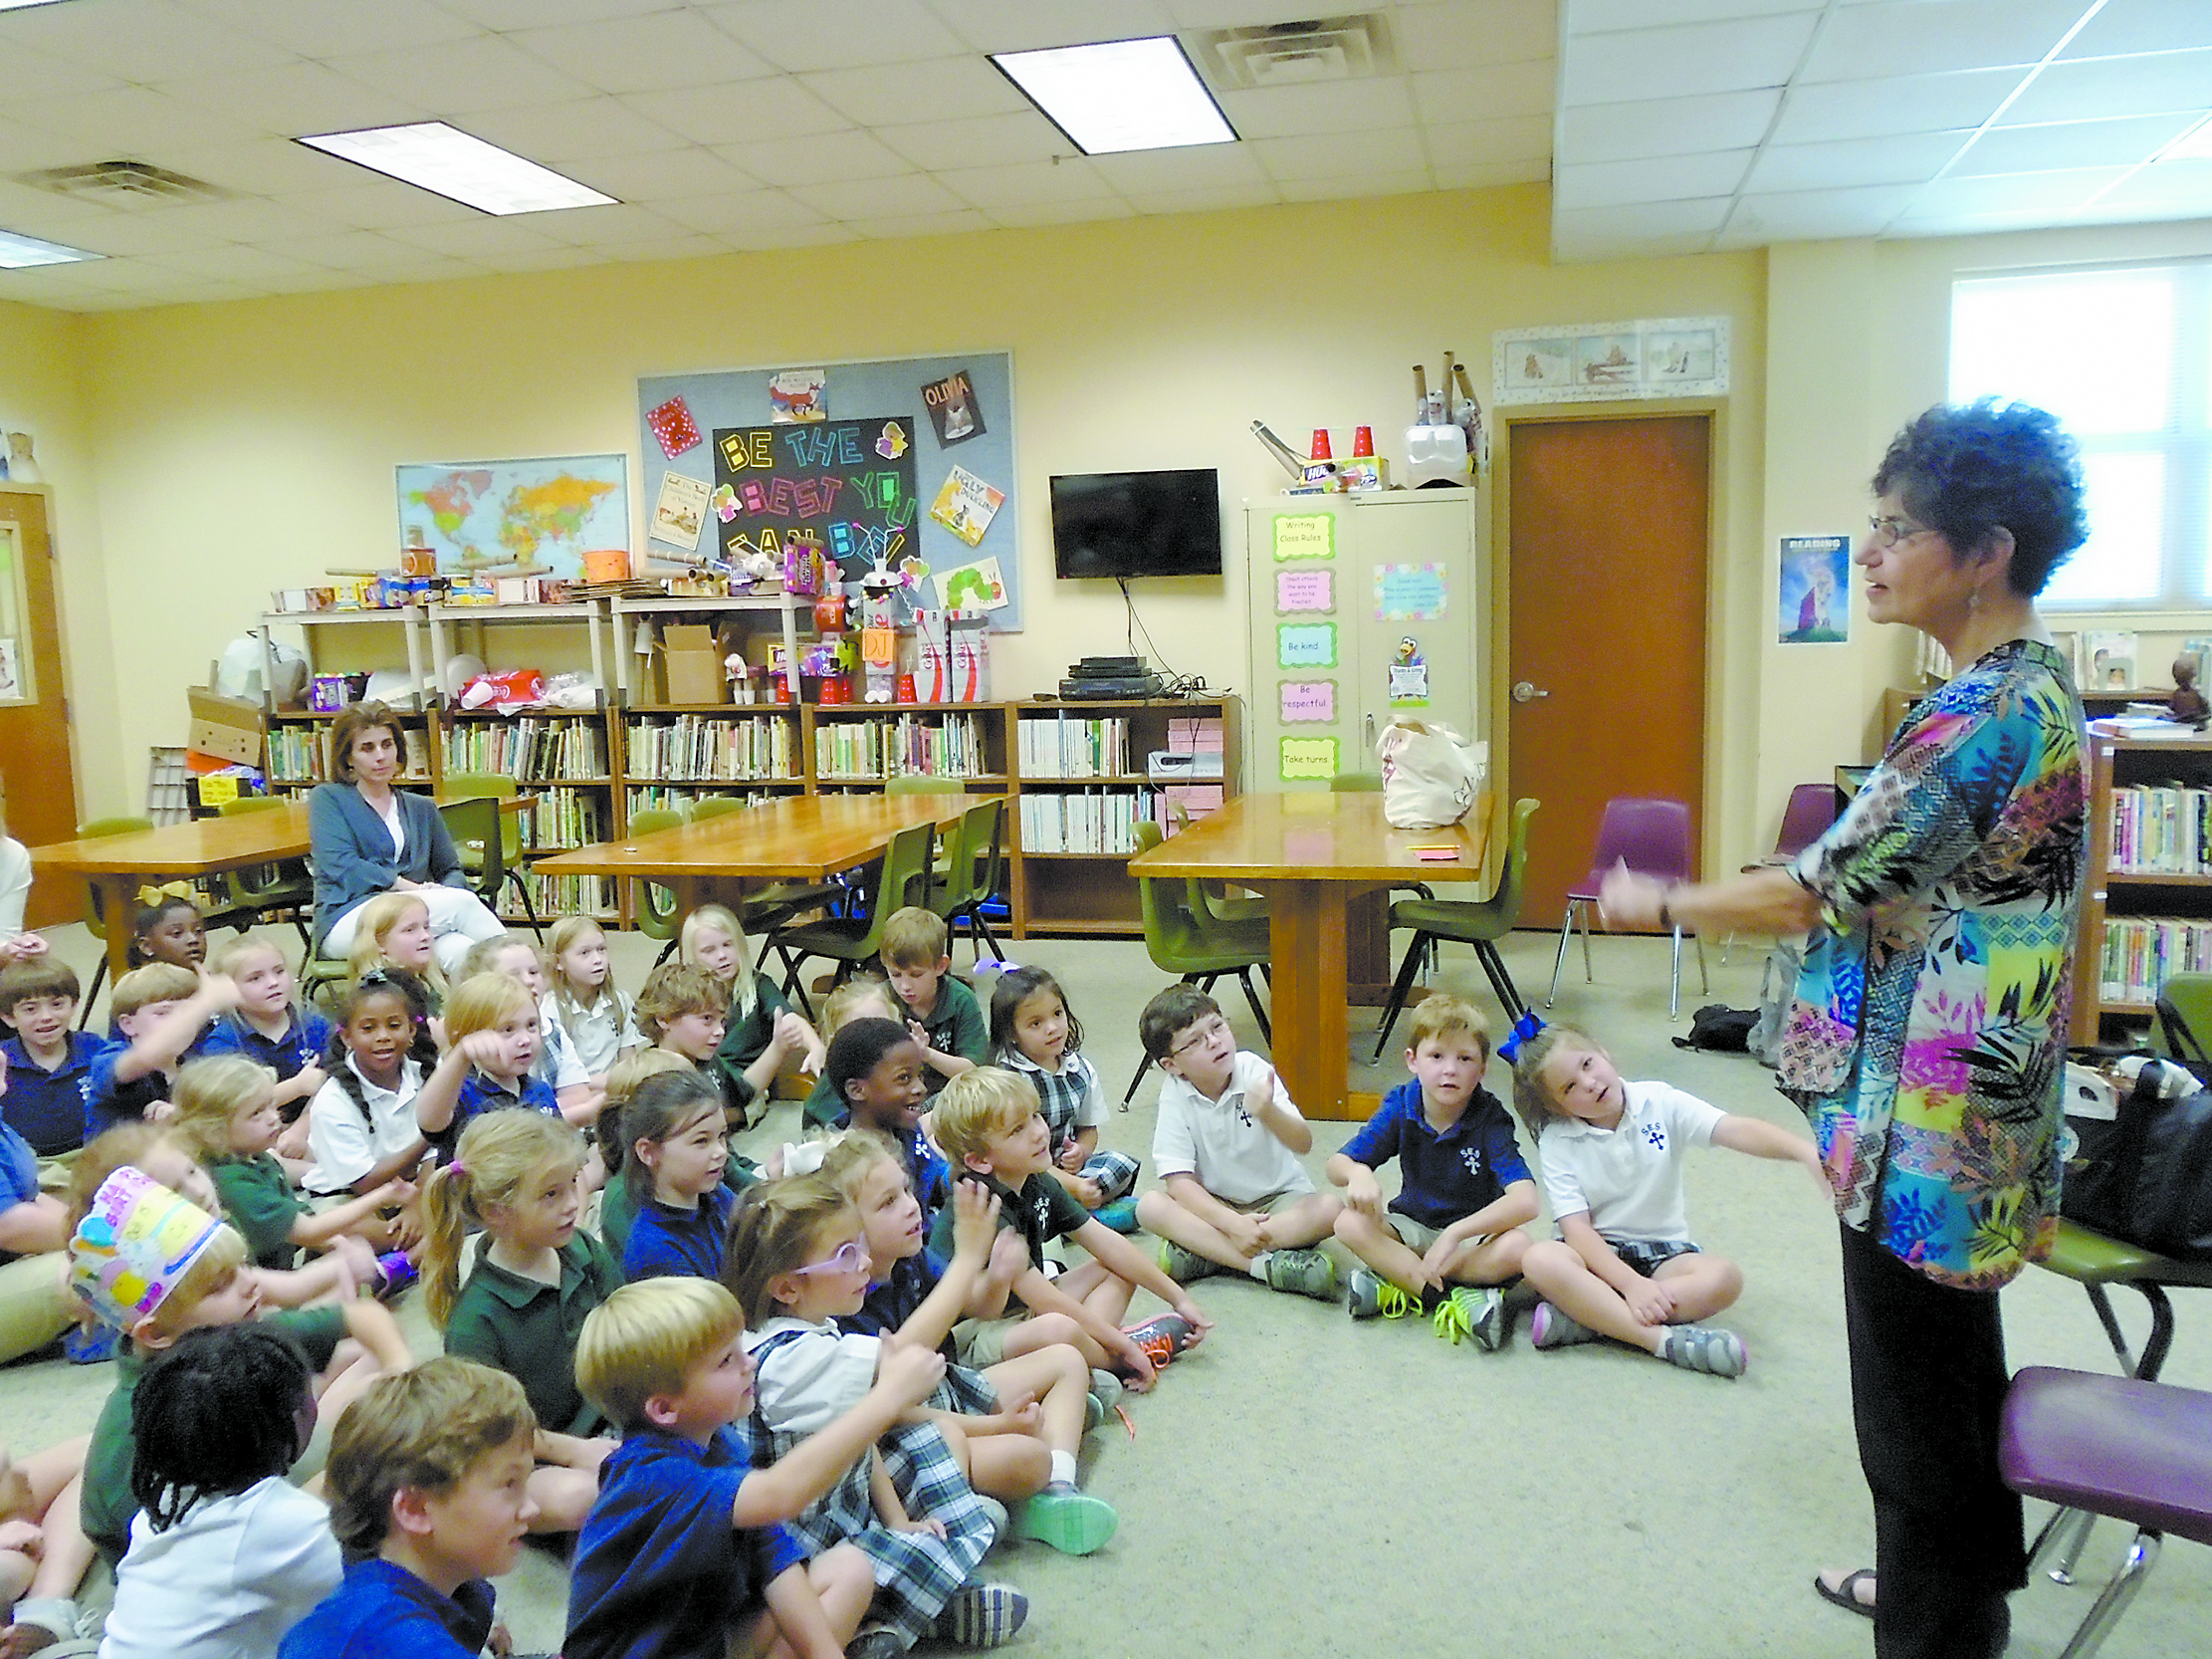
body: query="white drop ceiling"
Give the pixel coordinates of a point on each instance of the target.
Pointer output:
(1673, 125)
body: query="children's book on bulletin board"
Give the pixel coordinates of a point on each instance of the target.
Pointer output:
(906, 462)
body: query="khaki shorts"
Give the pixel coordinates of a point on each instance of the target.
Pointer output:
(1273, 1204)
(981, 1343)
(1413, 1235)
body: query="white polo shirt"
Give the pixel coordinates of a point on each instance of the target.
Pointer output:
(345, 1145)
(1230, 1150)
(809, 1382)
(1628, 1179)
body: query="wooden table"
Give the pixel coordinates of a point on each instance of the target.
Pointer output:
(1312, 854)
(119, 864)
(801, 838)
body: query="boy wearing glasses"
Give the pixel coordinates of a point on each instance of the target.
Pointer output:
(1234, 1195)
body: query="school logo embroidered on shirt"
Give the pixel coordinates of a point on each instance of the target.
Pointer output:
(1472, 1157)
(1656, 1136)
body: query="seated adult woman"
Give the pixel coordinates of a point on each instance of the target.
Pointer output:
(366, 837)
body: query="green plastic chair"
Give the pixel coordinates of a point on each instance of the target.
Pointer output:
(850, 941)
(767, 908)
(95, 907)
(491, 849)
(966, 877)
(1180, 943)
(285, 890)
(2191, 998)
(1480, 924)
(656, 905)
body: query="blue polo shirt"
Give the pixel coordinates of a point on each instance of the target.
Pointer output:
(108, 1102)
(480, 1095)
(896, 1298)
(660, 1573)
(926, 1172)
(382, 1611)
(47, 1108)
(1450, 1176)
(303, 1045)
(19, 1174)
(668, 1243)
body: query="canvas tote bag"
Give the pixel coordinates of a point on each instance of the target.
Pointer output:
(1431, 775)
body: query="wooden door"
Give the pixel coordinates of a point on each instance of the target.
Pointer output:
(1608, 524)
(41, 788)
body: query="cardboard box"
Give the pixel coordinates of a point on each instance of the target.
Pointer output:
(230, 728)
(691, 660)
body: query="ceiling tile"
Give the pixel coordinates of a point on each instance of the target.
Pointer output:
(2051, 194)
(808, 236)
(1684, 60)
(1024, 183)
(1653, 218)
(265, 167)
(508, 15)
(461, 78)
(287, 100)
(832, 159)
(132, 121)
(1819, 215)
(235, 263)
(128, 235)
(1663, 180)
(547, 259)
(1862, 43)
(2082, 144)
(902, 227)
(333, 28)
(1473, 33)
(2142, 26)
(838, 34)
(776, 109)
(1905, 158)
(2166, 186)
(25, 73)
(48, 214)
(1665, 125)
(617, 222)
(1591, 17)
(1484, 93)
(980, 141)
(1191, 167)
(1035, 214)
(248, 220)
(29, 149)
(1211, 199)
(1335, 155)
(475, 238)
(590, 128)
(433, 269)
(663, 176)
(890, 94)
(1230, 14)
(374, 203)
(1472, 144)
(879, 198)
(139, 43)
(2102, 87)
(1026, 25)
(1364, 185)
(360, 250)
(1323, 106)
(682, 246)
(657, 53)
(1487, 175)
(1901, 103)
(753, 212)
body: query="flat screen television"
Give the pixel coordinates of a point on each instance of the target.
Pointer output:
(1125, 524)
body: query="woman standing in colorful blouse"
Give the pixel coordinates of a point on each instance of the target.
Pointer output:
(1926, 1039)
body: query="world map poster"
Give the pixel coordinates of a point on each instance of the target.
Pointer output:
(517, 518)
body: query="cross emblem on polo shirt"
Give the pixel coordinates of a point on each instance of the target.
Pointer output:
(1656, 1134)
(1472, 1157)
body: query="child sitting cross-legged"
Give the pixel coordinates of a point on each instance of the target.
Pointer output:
(863, 997)
(271, 1027)
(160, 1010)
(1454, 1228)
(684, 1010)
(559, 1067)
(988, 1123)
(491, 1026)
(938, 1007)
(44, 1554)
(1016, 1426)
(584, 999)
(49, 1064)
(762, 1034)
(361, 1126)
(797, 1264)
(618, 1208)
(225, 1554)
(1227, 1146)
(1034, 1032)
(429, 1487)
(876, 1068)
(684, 1554)
(675, 1150)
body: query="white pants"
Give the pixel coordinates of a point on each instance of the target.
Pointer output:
(458, 919)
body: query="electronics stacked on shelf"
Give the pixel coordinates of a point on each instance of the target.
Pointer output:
(707, 749)
(1190, 771)
(529, 750)
(1110, 678)
(871, 749)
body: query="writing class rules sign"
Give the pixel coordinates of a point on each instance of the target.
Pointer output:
(844, 486)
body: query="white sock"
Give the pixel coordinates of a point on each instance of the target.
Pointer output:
(1063, 1469)
(1258, 1269)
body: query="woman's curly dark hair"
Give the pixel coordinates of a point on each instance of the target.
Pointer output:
(1966, 470)
(216, 1415)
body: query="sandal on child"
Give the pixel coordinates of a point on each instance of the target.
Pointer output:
(1845, 1592)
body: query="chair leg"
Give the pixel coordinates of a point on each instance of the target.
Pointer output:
(1566, 932)
(2142, 1554)
(1509, 994)
(667, 950)
(1401, 988)
(1674, 982)
(981, 935)
(1704, 985)
(1251, 996)
(530, 910)
(100, 972)
(2069, 1531)
(1588, 972)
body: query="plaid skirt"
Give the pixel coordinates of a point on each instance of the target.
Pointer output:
(965, 1391)
(916, 1573)
(1115, 1173)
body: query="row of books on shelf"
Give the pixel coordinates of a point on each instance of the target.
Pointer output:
(1101, 821)
(660, 798)
(566, 818)
(694, 746)
(570, 895)
(529, 748)
(934, 746)
(2162, 829)
(1066, 745)
(2141, 952)
(302, 755)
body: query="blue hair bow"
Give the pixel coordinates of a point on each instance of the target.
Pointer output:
(1526, 1027)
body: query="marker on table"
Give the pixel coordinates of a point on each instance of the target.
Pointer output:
(1437, 854)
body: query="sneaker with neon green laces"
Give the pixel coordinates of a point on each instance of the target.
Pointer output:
(1185, 1266)
(1371, 1296)
(1472, 1313)
(1071, 1522)
(1304, 1273)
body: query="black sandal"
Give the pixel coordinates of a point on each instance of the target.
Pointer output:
(1846, 1594)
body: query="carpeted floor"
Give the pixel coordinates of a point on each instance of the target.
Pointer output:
(1307, 1487)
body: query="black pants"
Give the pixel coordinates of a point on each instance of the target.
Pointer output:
(1927, 1387)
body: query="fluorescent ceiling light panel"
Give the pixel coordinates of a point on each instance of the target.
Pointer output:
(1120, 95)
(2193, 146)
(444, 159)
(19, 252)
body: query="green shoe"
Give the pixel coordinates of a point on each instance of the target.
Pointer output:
(1185, 1266)
(1305, 1273)
(1071, 1522)
(1472, 1313)
(1120, 1215)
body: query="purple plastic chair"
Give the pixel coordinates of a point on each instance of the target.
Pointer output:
(1650, 837)
(2138, 1452)
(1805, 819)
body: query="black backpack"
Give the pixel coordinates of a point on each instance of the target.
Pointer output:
(2145, 1175)
(1721, 1027)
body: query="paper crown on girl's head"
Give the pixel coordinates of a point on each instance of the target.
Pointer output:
(135, 1246)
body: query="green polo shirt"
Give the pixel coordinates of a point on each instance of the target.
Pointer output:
(258, 1201)
(955, 1025)
(529, 1330)
(109, 1505)
(823, 1106)
(746, 1040)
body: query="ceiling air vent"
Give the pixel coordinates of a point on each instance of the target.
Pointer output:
(124, 184)
(1298, 54)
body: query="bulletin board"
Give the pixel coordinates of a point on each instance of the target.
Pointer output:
(909, 456)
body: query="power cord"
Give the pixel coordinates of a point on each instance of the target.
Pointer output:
(1178, 685)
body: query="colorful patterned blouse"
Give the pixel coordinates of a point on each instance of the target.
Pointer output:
(1927, 1040)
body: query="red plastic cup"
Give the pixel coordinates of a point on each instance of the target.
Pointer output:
(906, 689)
(1321, 444)
(1363, 441)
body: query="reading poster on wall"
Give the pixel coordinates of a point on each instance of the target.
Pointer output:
(864, 475)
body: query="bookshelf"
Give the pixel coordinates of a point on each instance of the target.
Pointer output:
(868, 743)
(2146, 902)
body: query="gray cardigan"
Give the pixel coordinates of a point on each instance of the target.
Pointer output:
(353, 853)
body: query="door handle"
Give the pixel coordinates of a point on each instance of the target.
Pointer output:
(1369, 728)
(1524, 692)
